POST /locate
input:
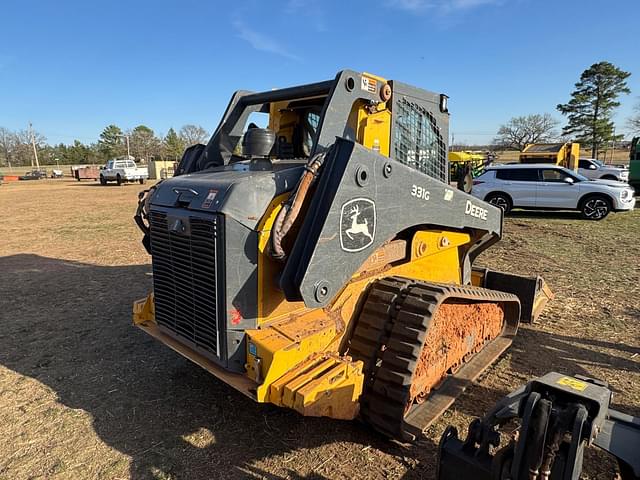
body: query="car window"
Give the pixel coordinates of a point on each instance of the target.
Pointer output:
(584, 164)
(558, 175)
(553, 175)
(518, 174)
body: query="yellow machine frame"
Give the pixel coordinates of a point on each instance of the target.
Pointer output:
(293, 357)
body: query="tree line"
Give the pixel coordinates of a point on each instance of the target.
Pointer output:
(16, 147)
(589, 114)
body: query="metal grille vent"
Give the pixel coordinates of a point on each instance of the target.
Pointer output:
(418, 142)
(184, 279)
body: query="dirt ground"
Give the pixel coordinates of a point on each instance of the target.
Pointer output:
(84, 395)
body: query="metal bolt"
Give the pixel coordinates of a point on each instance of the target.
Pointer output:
(321, 290)
(421, 249)
(444, 242)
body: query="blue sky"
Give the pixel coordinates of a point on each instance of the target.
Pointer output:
(72, 67)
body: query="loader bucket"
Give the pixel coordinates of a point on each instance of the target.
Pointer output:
(533, 292)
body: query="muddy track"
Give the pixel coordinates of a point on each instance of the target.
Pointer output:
(395, 338)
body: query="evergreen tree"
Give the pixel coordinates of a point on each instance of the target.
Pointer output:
(111, 143)
(592, 104)
(173, 145)
(144, 144)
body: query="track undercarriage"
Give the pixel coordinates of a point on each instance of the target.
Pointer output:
(419, 343)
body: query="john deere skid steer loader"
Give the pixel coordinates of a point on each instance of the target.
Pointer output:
(324, 263)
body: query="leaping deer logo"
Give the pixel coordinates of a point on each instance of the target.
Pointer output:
(362, 228)
(357, 224)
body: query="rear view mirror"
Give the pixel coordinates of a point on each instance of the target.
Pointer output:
(592, 167)
(568, 180)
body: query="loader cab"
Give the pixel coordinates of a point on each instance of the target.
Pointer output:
(294, 123)
(396, 120)
(293, 115)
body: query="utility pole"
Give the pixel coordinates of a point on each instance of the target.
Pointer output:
(35, 151)
(126, 137)
(613, 146)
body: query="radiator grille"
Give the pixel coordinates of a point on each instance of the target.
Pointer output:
(184, 279)
(417, 140)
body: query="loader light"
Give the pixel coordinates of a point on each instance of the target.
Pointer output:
(444, 103)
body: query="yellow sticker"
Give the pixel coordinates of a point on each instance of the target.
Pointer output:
(572, 383)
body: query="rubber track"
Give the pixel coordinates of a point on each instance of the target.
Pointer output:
(375, 323)
(389, 337)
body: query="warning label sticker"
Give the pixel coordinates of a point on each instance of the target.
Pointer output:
(368, 84)
(572, 383)
(211, 196)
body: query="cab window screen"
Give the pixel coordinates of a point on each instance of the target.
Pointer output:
(417, 140)
(518, 174)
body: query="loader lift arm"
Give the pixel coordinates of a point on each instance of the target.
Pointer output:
(559, 416)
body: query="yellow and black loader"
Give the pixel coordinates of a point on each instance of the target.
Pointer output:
(324, 263)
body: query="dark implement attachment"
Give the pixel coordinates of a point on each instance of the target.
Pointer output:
(559, 416)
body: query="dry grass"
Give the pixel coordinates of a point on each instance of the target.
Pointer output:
(84, 395)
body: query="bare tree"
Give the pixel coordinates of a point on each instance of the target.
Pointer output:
(193, 134)
(519, 131)
(8, 143)
(634, 120)
(16, 147)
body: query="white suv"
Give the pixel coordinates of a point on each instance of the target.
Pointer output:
(595, 169)
(544, 186)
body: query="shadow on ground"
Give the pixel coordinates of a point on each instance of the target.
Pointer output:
(67, 325)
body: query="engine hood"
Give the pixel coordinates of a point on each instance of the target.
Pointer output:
(610, 183)
(237, 190)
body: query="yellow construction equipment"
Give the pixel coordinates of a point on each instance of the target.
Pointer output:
(324, 263)
(563, 154)
(465, 165)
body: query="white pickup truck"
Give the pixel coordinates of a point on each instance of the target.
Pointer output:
(122, 170)
(595, 169)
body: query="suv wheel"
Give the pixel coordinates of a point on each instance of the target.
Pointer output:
(500, 200)
(595, 208)
(103, 181)
(118, 179)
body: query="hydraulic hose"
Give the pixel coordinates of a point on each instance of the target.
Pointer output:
(291, 209)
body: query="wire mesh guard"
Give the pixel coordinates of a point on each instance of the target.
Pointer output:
(418, 142)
